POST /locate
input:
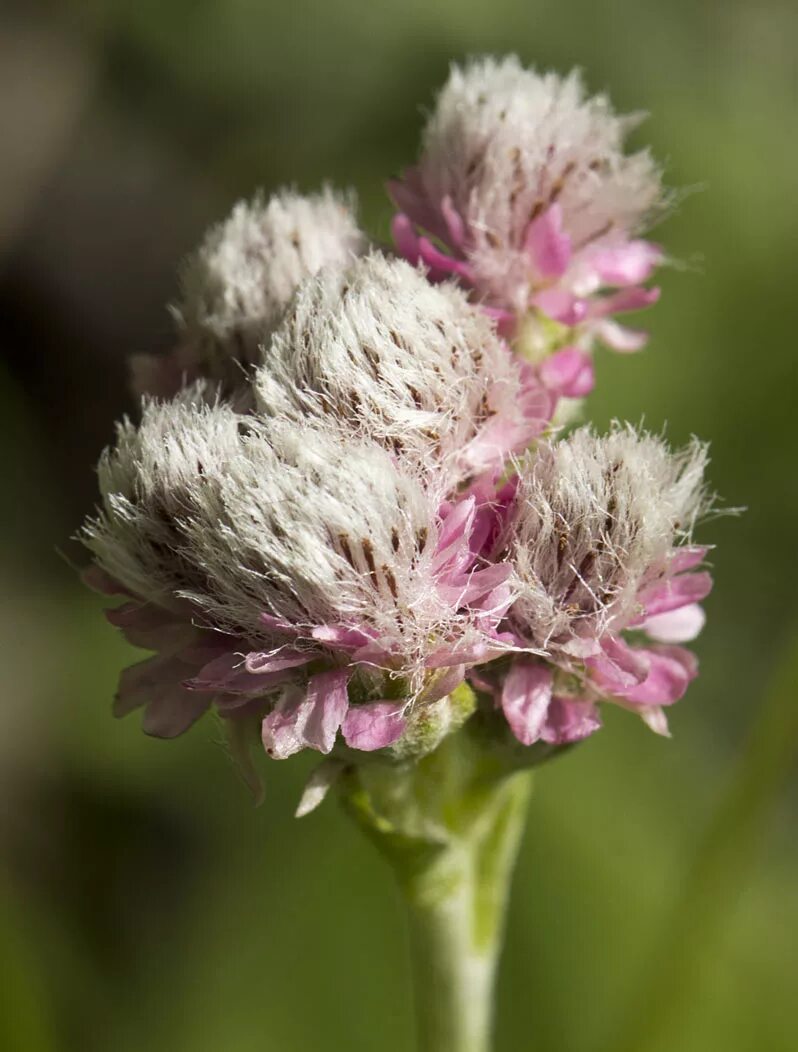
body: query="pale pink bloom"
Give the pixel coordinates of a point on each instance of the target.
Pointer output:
(289, 575)
(416, 367)
(524, 194)
(236, 286)
(597, 531)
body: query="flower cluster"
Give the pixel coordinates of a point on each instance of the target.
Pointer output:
(346, 515)
(237, 285)
(523, 192)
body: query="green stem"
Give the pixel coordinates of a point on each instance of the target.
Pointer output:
(450, 825)
(456, 908)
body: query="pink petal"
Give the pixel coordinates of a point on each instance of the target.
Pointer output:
(569, 372)
(671, 670)
(464, 653)
(525, 699)
(497, 602)
(454, 223)
(173, 711)
(437, 260)
(537, 406)
(505, 319)
(618, 667)
(261, 662)
(561, 306)
(405, 238)
(582, 647)
(151, 627)
(620, 338)
(687, 558)
(317, 786)
(373, 726)
(342, 637)
(139, 683)
(307, 720)
(444, 683)
(627, 300)
(547, 244)
(654, 717)
(98, 580)
(676, 592)
(676, 626)
(452, 551)
(466, 590)
(410, 196)
(569, 721)
(229, 674)
(628, 264)
(493, 443)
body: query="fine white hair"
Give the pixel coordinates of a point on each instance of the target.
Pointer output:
(390, 356)
(244, 517)
(238, 283)
(503, 143)
(596, 520)
(159, 474)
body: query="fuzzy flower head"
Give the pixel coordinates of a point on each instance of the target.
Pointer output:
(309, 580)
(414, 366)
(600, 545)
(237, 285)
(524, 192)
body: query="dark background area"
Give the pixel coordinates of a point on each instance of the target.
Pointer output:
(143, 901)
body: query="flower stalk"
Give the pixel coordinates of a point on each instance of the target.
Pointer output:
(450, 825)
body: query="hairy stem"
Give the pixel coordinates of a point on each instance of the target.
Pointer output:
(450, 825)
(456, 908)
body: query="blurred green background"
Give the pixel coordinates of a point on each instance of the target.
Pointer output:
(143, 901)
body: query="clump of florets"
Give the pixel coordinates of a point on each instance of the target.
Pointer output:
(303, 567)
(158, 476)
(356, 520)
(524, 181)
(599, 537)
(414, 366)
(236, 286)
(596, 521)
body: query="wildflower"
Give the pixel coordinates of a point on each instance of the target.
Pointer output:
(411, 365)
(599, 536)
(524, 194)
(289, 574)
(236, 286)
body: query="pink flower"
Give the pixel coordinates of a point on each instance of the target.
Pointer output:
(524, 195)
(595, 531)
(307, 580)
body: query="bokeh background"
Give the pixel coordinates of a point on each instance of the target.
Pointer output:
(144, 902)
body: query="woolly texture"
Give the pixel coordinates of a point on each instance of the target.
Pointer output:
(157, 477)
(312, 530)
(236, 286)
(598, 536)
(414, 366)
(524, 180)
(596, 521)
(280, 556)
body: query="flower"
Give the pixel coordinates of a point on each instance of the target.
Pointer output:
(599, 537)
(290, 574)
(413, 366)
(237, 284)
(523, 192)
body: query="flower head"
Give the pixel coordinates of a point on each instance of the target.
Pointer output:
(237, 285)
(412, 365)
(524, 183)
(599, 540)
(288, 572)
